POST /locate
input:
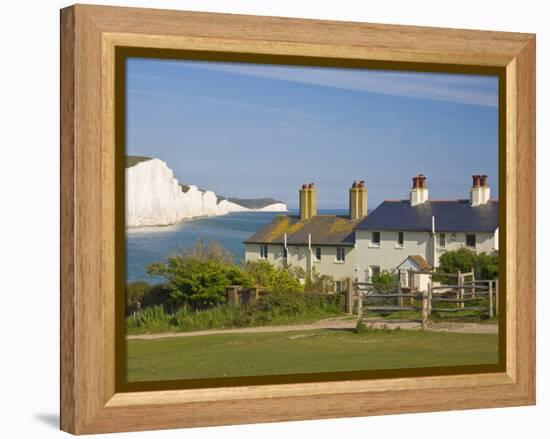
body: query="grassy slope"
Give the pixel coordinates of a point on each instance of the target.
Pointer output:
(132, 160)
(298, 352)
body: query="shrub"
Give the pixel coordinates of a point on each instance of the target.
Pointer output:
(453, 261)
(135, 293)
(273, 279)
(201, 283)
(485, 266)
(385, 281)
(320, 283)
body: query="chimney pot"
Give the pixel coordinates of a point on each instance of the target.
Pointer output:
(476, 180)
(483, 181)
(357, 201)
(419, 192)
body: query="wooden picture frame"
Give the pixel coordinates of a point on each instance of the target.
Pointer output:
(91, 402)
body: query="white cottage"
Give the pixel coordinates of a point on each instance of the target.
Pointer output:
(321, 243)
(398, 234)
(418, 226)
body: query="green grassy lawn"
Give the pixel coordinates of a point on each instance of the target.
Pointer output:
(230, 355)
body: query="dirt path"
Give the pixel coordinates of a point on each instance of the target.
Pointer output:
(333, 323)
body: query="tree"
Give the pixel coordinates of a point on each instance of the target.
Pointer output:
(200, 283)
(135, 293)
(203, 250)
(452, 261)
(274, 280)
(199, 275)
(485, 266)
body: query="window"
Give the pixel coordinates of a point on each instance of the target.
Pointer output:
(263, 251)
(400, 239)
(374, 271)
(471, 240)
(318, 253)
(339, 286)
(442, 240)
(340, 254)
(376, 239)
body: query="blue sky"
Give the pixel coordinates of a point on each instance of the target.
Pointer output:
(249, 131)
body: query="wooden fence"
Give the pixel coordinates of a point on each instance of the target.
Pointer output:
(363, 296)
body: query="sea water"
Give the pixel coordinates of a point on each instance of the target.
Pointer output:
(145, 245)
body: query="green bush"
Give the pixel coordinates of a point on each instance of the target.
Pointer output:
(135, 293)
(485, 266)
(273, 279)
(200, 283)
(385, 281)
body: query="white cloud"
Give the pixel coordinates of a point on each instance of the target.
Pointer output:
(453, 88)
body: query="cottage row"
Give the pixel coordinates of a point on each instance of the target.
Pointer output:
(398, 235)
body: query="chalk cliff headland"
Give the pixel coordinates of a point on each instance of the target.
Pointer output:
(154, 197)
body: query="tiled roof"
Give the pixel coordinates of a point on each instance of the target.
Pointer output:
(450, 216)
(324, 230)
(419, 260)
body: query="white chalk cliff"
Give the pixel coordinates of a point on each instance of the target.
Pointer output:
(155, 198)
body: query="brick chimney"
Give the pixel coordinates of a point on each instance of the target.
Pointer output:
(308, 201)
(419, 191)
(358, 195)
(480, 192)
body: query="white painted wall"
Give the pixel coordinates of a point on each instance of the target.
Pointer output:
(388, 255)
(298, 256)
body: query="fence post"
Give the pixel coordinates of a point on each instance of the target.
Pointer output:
(358, 294)
(461, 290)
(430, 298)
(349, 296)
(232, 295)
(399, 298)
(496, 296)
(424, 309)
(490, 298)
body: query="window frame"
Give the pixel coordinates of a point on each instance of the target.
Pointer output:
(340, 255)
(400, 240)
(372, 242)
(444, 236)
(475, 240)
(262, 248)
(318, 254)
